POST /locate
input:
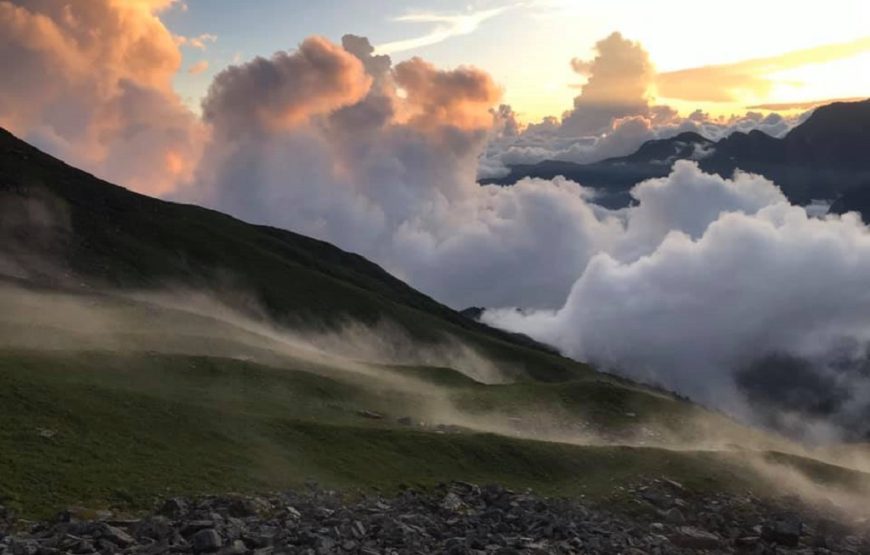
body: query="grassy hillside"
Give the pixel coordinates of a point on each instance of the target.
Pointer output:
(150, 348)
(105, 430)
(112, 402)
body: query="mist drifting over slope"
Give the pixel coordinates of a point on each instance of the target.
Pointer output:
(695, 287)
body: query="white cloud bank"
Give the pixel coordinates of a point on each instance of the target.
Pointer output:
(712, 276)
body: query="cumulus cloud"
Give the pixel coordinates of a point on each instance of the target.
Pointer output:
(618, 79)
(384, 164)
(714, 282)
(93, 85)
(282, 92)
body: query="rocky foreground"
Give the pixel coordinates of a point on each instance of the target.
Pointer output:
(660, 517)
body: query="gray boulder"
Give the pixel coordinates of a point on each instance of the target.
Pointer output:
(206, 541)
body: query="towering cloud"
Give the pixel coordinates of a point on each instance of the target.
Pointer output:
(91, 82)
(382, 160)
(287, 90)
(617, 86)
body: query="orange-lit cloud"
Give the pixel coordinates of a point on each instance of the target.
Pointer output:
(460, 98)
(199, 42)
(198, 67)
(749, 78)
(286, 90)
(93, 84)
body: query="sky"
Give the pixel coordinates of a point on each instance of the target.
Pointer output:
(528, 45)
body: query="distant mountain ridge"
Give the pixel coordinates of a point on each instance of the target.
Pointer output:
(827, 157)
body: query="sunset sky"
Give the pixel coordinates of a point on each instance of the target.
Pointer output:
(723, 60)
(123, 88)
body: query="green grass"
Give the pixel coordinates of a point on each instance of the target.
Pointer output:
(123, 442)
(130, 428)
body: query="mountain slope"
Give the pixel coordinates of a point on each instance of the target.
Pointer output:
(61, 227)
(823, 158)
(119, 384)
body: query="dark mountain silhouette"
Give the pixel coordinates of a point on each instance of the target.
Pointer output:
(827, 157)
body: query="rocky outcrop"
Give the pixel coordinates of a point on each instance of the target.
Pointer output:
(456, 518)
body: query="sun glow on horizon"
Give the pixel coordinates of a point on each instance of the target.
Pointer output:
(790, 79)
(822, 53)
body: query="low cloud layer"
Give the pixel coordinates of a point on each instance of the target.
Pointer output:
(716, 284)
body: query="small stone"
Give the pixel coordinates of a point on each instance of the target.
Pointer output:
(695, 538)
(194, 526)
(674, 516)
(206, 541)
(116, 535)
(452, 502)
(657, 498)
(359, 529)
(747, 542)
